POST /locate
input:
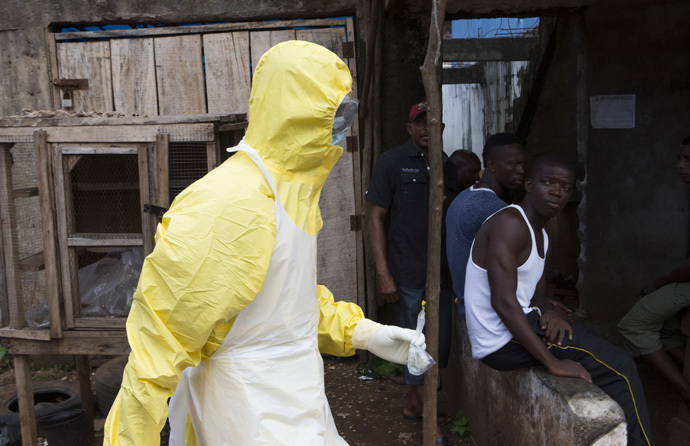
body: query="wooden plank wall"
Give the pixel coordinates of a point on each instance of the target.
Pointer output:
(180, 75)
(88, 60)
(227, 72)
(219, 84)
(134, 76)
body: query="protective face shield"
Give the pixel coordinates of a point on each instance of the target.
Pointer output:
(344, 117)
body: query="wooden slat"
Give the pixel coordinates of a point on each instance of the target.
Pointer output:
(105, 133)
(360, 297)
(32, 263)
(84, 150)
(493, 49)
(9, 241)
(211, 150)
(88, 60)
(25, 398)
(147, 218)
(100, 323)
(134, 76)
(180, 75)
(227, 71)
(25, 192)
(331, 38)
(103, 240)
(162, 186)
(74, 342)
(84, 373)
(76, 121)
(62, 228)
(261, 41)
(36, 335)
(172, 30)
(53, 68)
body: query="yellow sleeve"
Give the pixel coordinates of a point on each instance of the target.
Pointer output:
(337, 321)
(211, 257)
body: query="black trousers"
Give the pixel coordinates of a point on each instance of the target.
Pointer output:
(612, 369)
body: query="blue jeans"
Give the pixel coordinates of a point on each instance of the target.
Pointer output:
(408, 308)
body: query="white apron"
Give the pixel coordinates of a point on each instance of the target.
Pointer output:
(265, 383)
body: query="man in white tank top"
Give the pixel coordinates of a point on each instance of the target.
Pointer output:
(505, 282)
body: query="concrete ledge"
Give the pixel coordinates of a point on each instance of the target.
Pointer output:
(528, 406)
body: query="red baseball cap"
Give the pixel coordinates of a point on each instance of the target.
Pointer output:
(417, 110)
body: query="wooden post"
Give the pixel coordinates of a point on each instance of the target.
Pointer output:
(84, 373)
(15, 315)
(147, 219)
(25, 399)
(370, 101)
(432, 85)
(50, 256)
(162, 186)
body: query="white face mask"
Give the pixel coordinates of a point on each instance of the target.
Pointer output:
(344, 117)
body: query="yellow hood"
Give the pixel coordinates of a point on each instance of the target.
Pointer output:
(296, 90)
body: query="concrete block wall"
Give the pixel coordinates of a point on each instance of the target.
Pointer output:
(528, 406)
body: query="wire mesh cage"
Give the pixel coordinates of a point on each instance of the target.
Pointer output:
(105, 194)
(187, 162)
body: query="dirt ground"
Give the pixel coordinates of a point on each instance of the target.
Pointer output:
(366, 412)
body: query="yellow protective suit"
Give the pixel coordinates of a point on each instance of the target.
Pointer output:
(214, 245)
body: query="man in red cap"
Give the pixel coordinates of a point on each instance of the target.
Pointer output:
(400, 184)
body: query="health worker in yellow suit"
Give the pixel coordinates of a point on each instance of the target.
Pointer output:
(227, 316)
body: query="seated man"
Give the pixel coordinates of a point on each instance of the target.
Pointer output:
(651, 329)
(468, 166)
(504, 290)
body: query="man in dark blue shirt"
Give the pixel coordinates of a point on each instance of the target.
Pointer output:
(400, 184)
(504, 170)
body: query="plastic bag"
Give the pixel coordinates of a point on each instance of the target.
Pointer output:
(418, 359)
(107, 286)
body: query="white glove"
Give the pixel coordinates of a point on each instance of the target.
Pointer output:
(385, 341)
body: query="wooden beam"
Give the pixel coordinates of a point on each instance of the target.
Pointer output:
(162, 174)
(25, 398)
(464, 75)
(33, 263)
(219, 27)
(56, 119)
(493, 49)
(110, 133)
(79, 239)
(15, 314)
(25, 333)
(84, 373)
(25, 192)
(74, 342)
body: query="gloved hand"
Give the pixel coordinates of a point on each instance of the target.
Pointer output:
(385, 341)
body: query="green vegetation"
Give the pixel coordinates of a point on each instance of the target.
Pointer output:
(460, 425)
(378, 368)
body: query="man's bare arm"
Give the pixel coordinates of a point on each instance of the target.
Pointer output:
(553, 319)
(377, 237)
(680, 274)
(507, 237)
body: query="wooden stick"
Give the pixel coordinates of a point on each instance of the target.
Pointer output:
(50, 255)
(84, 373)
(432, 85)
(25, 398)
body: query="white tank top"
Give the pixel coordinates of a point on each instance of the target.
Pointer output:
(486, 330)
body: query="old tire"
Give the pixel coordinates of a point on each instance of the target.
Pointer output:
(50, 397)
(108, 380)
